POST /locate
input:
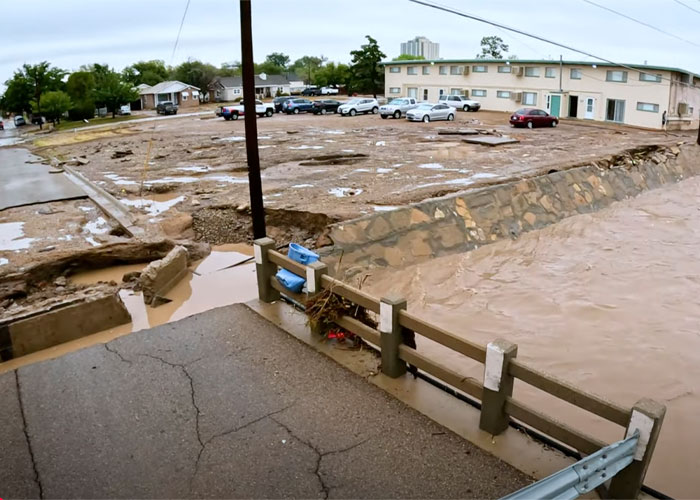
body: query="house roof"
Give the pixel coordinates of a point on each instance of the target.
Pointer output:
(237, 81)
(167, 88)
(550, 62)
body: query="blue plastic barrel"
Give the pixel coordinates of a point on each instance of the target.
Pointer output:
(300, 254)
(288, 279)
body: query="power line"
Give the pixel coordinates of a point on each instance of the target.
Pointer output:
(650, 26)
(182, 22)
(686, 6)
(537, 37)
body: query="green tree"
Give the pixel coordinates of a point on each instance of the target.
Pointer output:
(492, 47)
(408, 57)
(268, 68)
(365, 73)
(54, 104)
(18, 94)
(148, 72)
(29, 83)
(332, 74)
(306, 66)
(112, 91)
(195, 73)
(230, 69)
(81, 88)
(278, 59)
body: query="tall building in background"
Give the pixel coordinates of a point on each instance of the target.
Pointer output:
(421, 46)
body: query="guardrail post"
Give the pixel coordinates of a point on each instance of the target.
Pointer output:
(264, 269)
(314, 272)
(647, 417)
(498, 385)
(390, 330)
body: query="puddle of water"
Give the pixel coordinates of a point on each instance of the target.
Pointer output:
(153, 207)
(431, 166)
(4, 261)
(120, 181)
(334, 132)
(194, 168)
(484, 175)
(92, 241)
(97, 226)
(348, 150)
(235, 138)
(226, 178)
(11, 141)
(362, 170)
(304, 146)
(267, 146)
(11, 236)
(343, 192)
(384, 170)
(381, 143)
(384, 208)
(299, 186)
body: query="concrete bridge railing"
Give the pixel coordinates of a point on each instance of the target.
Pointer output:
(501, 368)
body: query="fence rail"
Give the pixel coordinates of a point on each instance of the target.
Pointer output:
(501, 368)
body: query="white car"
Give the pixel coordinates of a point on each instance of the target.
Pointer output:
(329, 91)
(398, 107)
(426, 112)
(359, 105)
(460, 102)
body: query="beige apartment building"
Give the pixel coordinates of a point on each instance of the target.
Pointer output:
(635, 95)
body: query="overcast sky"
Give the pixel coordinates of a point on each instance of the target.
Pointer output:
(69, 33)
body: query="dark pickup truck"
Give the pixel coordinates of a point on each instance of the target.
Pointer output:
(166, 108)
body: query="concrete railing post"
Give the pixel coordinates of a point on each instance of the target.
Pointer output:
(314, 272)
(265, 269)
(498, 385)
(647, 417)
(391, 339)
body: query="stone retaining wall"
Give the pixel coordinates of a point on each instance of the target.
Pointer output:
(462, 222)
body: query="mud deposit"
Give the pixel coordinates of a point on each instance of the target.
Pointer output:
(605, 301)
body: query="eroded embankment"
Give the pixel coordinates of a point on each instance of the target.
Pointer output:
(462, 222)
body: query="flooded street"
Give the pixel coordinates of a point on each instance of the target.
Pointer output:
(607, 301)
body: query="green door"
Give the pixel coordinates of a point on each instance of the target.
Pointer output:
(555, 105)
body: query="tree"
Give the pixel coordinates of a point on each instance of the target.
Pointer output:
(307, 65)
(197, 73)
(113, 92)
(365, 73)
(18, 94)
(29, 83)
(332, 74)
(492, 47)
(278, 59)
(54, 104)
(408, 57)
(230, 69)
(81, 88)
(148, 72)
(268, 68)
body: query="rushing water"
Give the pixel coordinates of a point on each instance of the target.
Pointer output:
(608, 301)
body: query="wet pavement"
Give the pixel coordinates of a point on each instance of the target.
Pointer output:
(224, 404)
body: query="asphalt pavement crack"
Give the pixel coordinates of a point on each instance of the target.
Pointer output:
(37, 479)
(117, 353)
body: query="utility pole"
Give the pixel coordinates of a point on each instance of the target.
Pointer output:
(251, 126)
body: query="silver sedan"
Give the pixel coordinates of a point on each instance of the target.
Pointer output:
(426, 112)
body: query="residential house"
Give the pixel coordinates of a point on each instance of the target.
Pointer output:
(228, 88)
(637, 95)
(182, 94)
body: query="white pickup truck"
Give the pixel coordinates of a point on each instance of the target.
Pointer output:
(397, 107)
(234, 112)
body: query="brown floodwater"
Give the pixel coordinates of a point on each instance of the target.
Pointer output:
(608, 301)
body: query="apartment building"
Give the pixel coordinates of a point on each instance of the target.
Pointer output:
(421, 46)
(632, 94)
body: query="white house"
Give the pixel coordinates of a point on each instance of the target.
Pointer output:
(182, 94)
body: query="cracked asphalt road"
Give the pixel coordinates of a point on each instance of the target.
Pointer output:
(224, 405)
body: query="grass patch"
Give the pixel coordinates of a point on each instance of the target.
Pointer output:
(70, 125)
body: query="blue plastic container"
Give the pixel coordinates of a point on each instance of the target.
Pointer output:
(288, 279)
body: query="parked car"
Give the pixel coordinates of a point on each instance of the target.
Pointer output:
(166, 108)
(124, 110)
(533, 117)
(397, 107)
(38, 120)
(279, 103)
(460, 102)
(324, 106)
(329, 91)
(238, 110)
(426, 112)
(354, 106)
(19, 121)
(2, 125)
(311, 91)
(297, 105)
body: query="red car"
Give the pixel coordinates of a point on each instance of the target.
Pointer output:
(531, 117)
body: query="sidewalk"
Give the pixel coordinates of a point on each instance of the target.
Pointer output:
(224, 404)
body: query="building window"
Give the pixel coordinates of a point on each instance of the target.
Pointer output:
(412, 70)
(443, 70)
(615, 111)
(616, 76)
(413, 92)
(426, 70)
(478, 93)
(576, 74)
(647, 106)
(550, 72)
(456, 92)
(532, 72)
(184, 96)
(395, 69)
(455, 70)
(504, 69)
(394, 90)
(530, 98)
(648, 77)
(480, 68)
(425, 94)
(236, 91)
(195, 94)
(502, 94)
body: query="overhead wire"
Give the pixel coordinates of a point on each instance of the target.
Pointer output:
(687, 6)
(179, 31)
(474, 17)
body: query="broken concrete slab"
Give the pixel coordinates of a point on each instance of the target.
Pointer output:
(491, 141)
(70, 320)
(162, 275)
(459, 131)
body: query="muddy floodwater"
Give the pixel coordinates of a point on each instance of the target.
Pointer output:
(608, 301)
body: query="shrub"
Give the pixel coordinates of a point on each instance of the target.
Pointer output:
(82, 110)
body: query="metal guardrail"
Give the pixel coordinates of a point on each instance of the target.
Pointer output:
(501, 369)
